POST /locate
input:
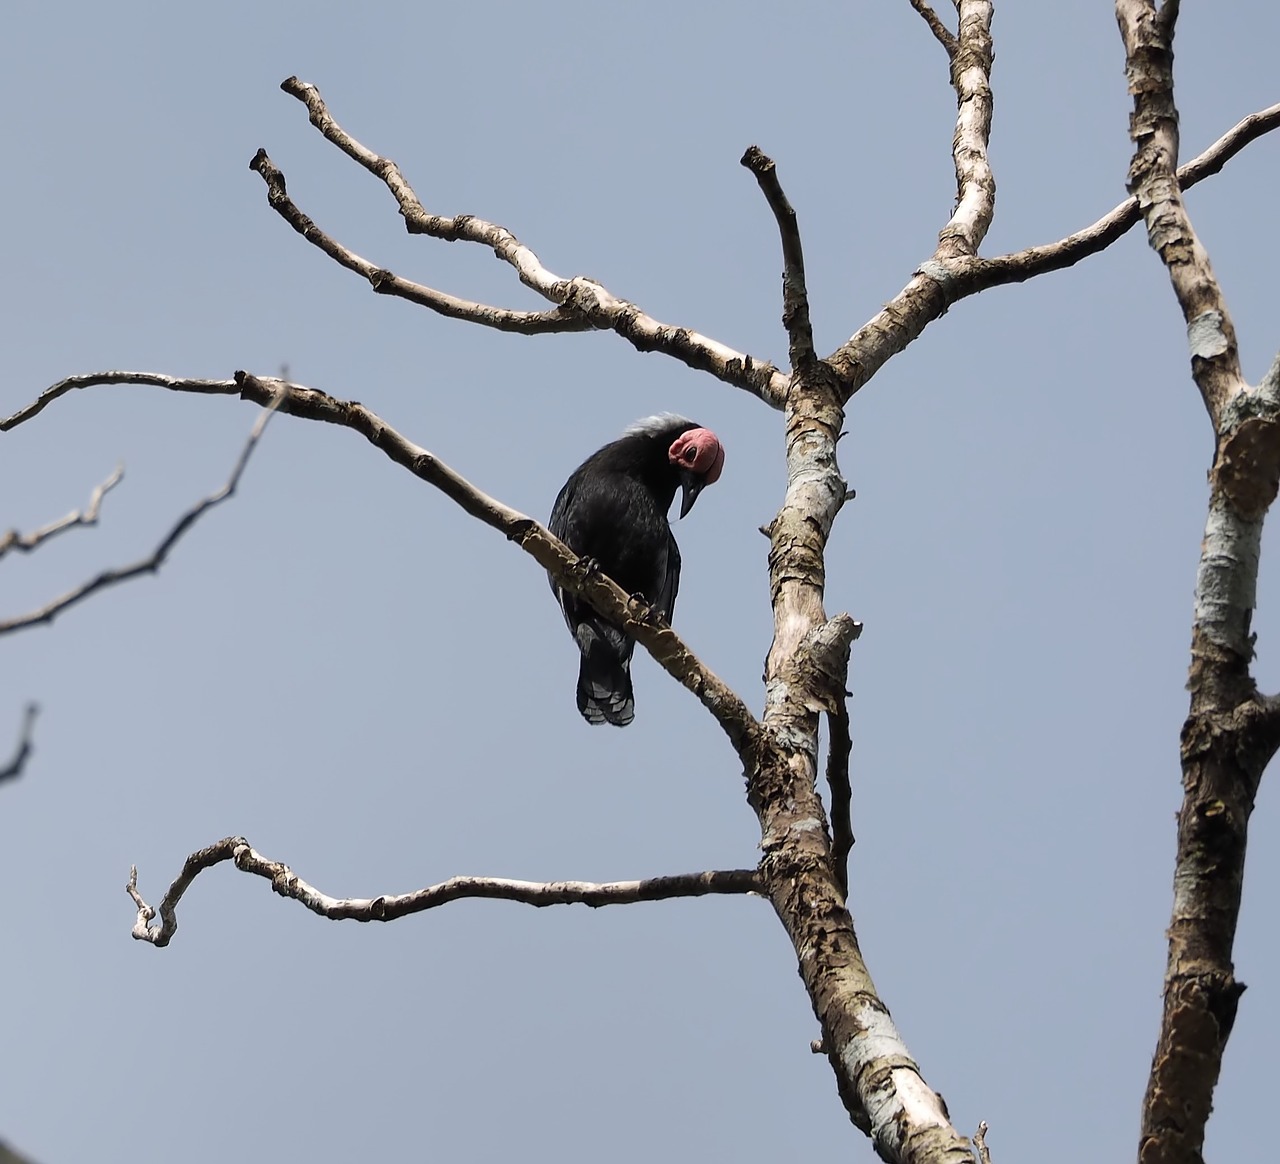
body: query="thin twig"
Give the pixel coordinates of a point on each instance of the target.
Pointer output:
(940, 31)
(26, 745)
(13, 540)
(580, 303)
(153, 562)
(839, 745)
(390, 907)
(795, 295)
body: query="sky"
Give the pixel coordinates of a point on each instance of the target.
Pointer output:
(341, 666)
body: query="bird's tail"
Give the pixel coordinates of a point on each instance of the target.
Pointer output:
(604, 677)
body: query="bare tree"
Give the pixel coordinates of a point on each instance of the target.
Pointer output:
(1229, 736)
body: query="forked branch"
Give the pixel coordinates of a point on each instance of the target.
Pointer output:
(579, 303)
(153, 561)
(386, 282)
(389, 907)
(938, 284)
(13, 540)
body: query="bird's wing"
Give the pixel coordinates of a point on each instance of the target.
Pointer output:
(669, 585)
(559, 524)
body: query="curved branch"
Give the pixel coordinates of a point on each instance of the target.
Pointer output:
(13, 540)
(94, 379)
(386, 282)
(795, 295)
(156, 559)
(639, 620)
(392, 906)
(26, 745)
(582, 303)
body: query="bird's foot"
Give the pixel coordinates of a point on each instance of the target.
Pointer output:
(644, 611)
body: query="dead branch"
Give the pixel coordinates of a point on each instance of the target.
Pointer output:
(980, 1148)
(1020, 266)
(581, 303)
(13, 540)
(941, 32)
(1215, 359)
(548, 551)
(93, 379)
(390, 907)
(152, 563)
(795, 295)
(975, 182)
(880, 1084)
(386, 282)
(26, 745)
(1231, 732)
(940, 282)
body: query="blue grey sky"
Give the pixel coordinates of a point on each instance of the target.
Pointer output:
(342, 667)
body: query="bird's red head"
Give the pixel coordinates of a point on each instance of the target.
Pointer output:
(699, 455)
(700, 451)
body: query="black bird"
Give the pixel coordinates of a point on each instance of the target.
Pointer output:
(613, 510)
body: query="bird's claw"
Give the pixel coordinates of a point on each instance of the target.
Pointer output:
(645, 611)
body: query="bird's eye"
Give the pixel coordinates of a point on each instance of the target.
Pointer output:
(690, 454)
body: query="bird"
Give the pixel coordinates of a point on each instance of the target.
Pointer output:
(613, 512)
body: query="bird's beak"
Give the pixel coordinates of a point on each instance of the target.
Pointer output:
(691, 484)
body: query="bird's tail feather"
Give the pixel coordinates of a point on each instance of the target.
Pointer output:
(604, 678)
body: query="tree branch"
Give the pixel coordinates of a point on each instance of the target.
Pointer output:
(795, 295)
(975, 182)
(1231, 732)
(94, 379)
(938, 283)
(386, 282)
(393, 906)
(981, 1151)
(605, 595)
(87, 516)
(26, 745)
(152, 563)
(581, 303)
(940, 31)
(1148, 42)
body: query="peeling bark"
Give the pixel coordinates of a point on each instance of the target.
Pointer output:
(1231, 732)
